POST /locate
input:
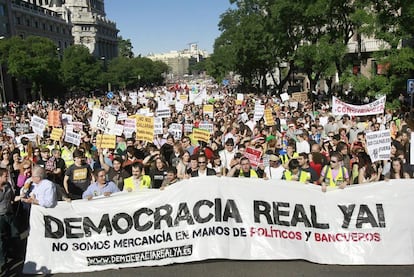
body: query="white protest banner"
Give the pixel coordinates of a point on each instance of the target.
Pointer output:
(22, 127)
(73, 138)
(130, 126)
(177, 130)
(38, 125)
(379, 145)
(165, 113)
(206, 126)
(133, 98)
(341, 108)
(103, 120)
(202, 218)
(258, 111)
(158, 126)
(188, 128)
(69, 128)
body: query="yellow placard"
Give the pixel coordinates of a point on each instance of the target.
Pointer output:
(208, 109)
(56, 134)
(184, 98)
(145, 128)
(268, 117)
(239, 102)
(106, 141)
(200, 134)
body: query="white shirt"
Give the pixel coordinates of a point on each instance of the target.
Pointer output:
(302, 146)
(226, 157)
(45, 193)
(274, 173)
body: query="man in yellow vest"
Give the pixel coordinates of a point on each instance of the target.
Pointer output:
(137, 181)
(243, 169)
(295, 173)
(334, 174)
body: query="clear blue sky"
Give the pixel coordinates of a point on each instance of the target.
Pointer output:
(159, 26)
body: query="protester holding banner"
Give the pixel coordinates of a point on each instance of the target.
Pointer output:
(203, 170)
(334, 175)
(295, 173)
(397, 170)
(44, 191)
(100, 187)
(243, 169)
(138, 181)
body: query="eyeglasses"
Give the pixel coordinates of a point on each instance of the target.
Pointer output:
(331, 136)
(244, 164)
(334, 162)
(201, 162)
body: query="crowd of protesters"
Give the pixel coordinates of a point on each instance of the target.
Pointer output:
(306, 144)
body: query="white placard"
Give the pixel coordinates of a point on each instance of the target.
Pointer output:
(188, 128)
(73, 138)
(284, 96)
(258, 112)
(379, 145)
(130, 126)
(119, 129)
(103, 120)
(165, 113)
(177, 130)
(122, 116)
(158, 126)
(38, 125)
(206, 126)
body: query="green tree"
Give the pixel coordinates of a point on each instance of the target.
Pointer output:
(125, 48)
(81, 71)
(34, 59)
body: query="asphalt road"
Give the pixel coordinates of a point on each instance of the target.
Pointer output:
(227, 268)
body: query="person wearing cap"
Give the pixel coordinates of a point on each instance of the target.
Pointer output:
(227, 155)
(77, 177)
(275, 169)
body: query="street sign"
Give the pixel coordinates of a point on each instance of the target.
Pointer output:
(410, 86)
(110, 95)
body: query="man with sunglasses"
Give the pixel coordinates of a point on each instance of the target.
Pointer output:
(203, 170)
(334, 174)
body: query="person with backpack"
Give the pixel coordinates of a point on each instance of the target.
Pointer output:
(334, 174)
